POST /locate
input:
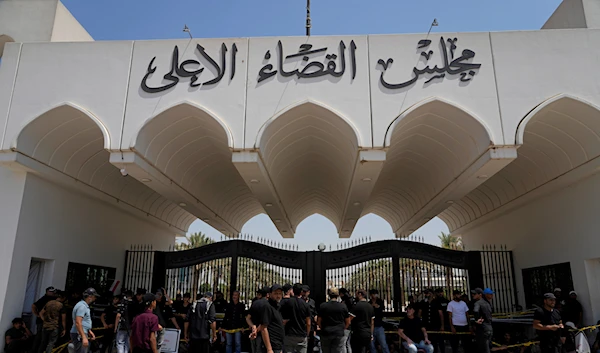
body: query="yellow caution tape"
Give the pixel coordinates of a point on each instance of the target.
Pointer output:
(525, 344)
(234, 330)
(437, 332)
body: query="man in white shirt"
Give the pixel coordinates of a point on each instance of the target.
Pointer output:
(458, 311)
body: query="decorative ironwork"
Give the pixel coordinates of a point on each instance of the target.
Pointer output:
(540, 280)
(397, 269)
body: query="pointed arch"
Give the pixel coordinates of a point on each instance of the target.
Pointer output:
(73, 141)
(429, 145)
(193, 147)
(191, 108)
(64, 113)
(557, 136)
(417, 109)
(310, 152)
(306, 104)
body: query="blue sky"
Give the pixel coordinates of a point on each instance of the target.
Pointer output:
(154, 19)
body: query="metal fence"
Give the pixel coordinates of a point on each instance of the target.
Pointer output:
(498, 274)
(139, 261)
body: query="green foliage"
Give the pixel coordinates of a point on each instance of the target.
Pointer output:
(449, 241)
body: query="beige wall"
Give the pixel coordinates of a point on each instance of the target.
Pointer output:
(560, 227)
(62, 226)
(66, 28)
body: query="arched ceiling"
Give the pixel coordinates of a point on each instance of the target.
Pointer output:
(69, 141)
(191, 147)
(429, 146)
(560, 135)
(310, 153)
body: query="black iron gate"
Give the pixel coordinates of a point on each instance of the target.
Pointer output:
(398, 269)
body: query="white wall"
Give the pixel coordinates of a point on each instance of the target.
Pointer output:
(66, 28)
(62, 226)
(12, 185)
(29, 20)
(560, 227)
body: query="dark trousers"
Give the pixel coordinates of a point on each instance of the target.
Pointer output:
(37, 340)
(549, 348)
(49, 338)
(464, 339)
(108, 341)
(483, 337)
(141, 350)
(437, 340)
(360, 344)
(199, 346)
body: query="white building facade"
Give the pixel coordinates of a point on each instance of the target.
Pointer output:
(108, 144)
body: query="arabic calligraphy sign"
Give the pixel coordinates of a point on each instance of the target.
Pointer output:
(315, 62)
(459, 66)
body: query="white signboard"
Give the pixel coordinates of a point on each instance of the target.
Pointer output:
(171, 341)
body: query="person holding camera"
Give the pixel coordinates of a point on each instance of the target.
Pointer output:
(201, 321)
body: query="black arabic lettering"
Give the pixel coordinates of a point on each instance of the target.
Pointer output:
(454, 67)
(312, 69)
(190, 68)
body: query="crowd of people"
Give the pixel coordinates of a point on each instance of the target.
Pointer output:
(285, 319)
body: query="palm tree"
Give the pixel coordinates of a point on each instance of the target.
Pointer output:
(449, 241)
(193, 241)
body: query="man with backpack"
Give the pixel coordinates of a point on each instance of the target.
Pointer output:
(201, 321)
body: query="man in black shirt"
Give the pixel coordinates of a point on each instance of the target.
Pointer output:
(426, 312)
(312, 306)
(35, 309)
(348, 301)
(254, 318)
(363, 324)
(440, 307)
(413, 333)
(287, 293)
(548, 324)
(220, 302)
(572, 311)
(482, 311)
(379, 331)
(271, 329)
(108, 318)
(16, 338)
(333, 319)
(296, 318)
(126, 310)
(233, 323)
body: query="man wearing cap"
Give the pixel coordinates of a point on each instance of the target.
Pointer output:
(35, 309)
(572, 311)
(363, 324)
(145, 327)
(482, 311)
(426, 311)
(312, 306)
(287, 293)
(378, 332)
(254, 318)
(458, 313)
(82, 322)
(548, 325)
(296, 319)
(439, 320)
(201, 321)
(559, 300)
(271, 329)
(333, 319)
(413, 333)
(55, 318)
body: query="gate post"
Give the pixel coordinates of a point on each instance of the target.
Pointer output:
(313, 275)
(475, 269)
(397, 294)
(159, 271)
(234, 269)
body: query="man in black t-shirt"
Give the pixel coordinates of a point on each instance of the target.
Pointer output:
(572, 311)
(413, 333)
(254, 318)
(363, 324)
(35, 309)
(378, 332)
(333, 319)
(296, 318)
(348, 301)
(312, 306)
(271, 328)
(549, 327)
(234, 321)
(440, 320)
(16, 338)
